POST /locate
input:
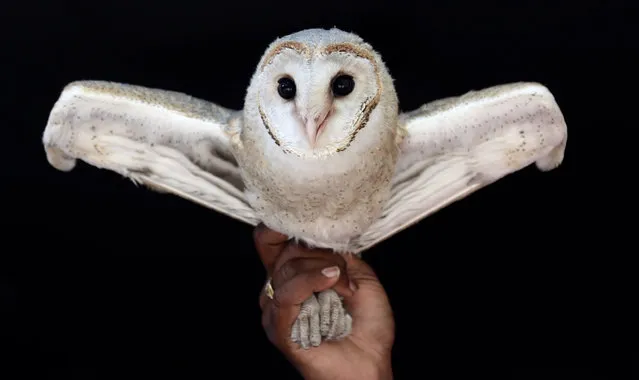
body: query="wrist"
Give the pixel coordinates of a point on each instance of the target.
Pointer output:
(377, 370)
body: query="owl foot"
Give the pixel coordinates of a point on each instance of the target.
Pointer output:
(322, 317)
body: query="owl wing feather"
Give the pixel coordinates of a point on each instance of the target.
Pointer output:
(452, 147)
(167, 140)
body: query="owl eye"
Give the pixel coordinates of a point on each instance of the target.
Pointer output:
(286, 88)
(343, 85)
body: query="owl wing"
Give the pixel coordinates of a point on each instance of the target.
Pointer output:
(167, 140)
(455, 146)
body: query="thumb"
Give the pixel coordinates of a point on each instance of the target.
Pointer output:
(287, 299)
(303, 286)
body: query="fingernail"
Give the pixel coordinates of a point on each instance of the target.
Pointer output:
(352, 285)
(330, 272)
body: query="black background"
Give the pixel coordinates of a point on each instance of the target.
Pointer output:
(104, 279)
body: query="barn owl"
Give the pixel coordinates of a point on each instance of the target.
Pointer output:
(320, 151)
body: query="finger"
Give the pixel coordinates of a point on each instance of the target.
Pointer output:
(289, 297)
(293, 251)
(314, 326)
(295, 331)
(269, 245)
(302, 286)
(295, 266)
(358, 270)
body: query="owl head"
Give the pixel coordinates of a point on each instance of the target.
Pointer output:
(318, 92)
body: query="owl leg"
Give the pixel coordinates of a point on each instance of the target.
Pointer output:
(306, 329)
(321, 316)
(335, 322)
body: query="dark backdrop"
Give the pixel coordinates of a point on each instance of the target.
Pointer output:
(102, 279)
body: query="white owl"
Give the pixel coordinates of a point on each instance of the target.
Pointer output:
(320, 151)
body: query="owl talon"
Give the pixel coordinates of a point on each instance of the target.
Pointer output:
(306, 330)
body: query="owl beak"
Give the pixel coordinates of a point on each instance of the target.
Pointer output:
(314, 126)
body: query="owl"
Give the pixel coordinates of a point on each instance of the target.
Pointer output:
(320, 152)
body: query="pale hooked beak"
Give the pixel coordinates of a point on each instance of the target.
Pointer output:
(314, 125)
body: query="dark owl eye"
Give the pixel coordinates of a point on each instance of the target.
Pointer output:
(286, 88)
(343, 85)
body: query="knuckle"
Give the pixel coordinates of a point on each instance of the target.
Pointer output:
(333, 259)
(287, 271)
(341, 260)
(337, 259)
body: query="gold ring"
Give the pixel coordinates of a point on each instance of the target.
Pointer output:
(268, 289)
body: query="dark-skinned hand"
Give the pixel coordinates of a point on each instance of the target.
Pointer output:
(297, 273)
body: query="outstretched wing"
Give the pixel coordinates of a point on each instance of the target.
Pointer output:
(458, 145)
(166, 140)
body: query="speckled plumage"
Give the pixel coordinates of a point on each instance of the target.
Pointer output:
(325, 198)
(341, 172)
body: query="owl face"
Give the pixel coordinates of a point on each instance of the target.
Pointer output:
(315, 92)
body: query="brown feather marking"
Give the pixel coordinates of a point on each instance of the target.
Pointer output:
(301, 49)
(268, 126)
(292, 45)
(367, 107)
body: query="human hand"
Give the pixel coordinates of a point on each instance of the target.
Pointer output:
(296, 273)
